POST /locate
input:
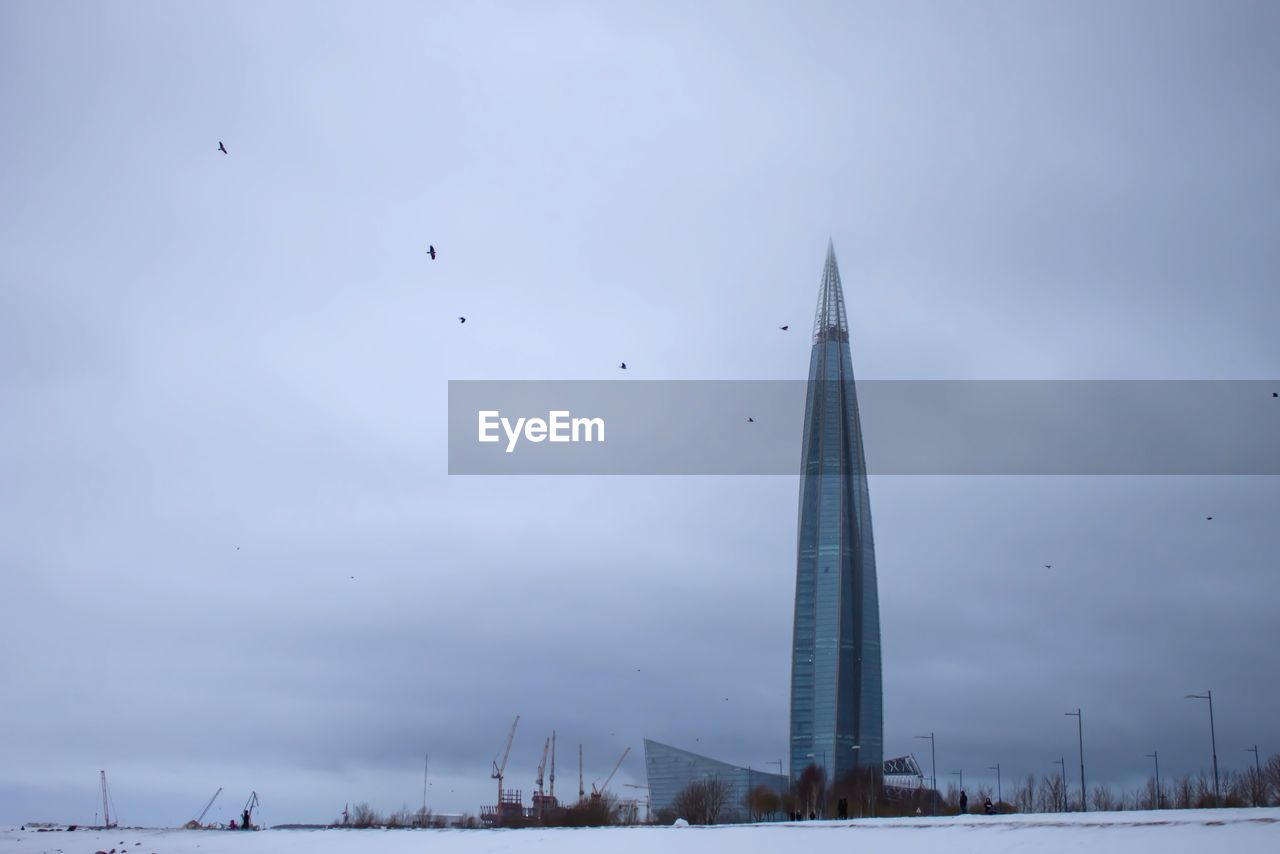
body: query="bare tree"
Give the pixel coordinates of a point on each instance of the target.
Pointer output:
(811, 790)
(363, 815)
(762, 801)
(702, 801)
(1183, 793)
(1271, 781)
(1103, 798)
(1024, 797)
(1049, 794)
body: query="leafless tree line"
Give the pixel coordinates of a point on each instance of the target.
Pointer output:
(1258, 786)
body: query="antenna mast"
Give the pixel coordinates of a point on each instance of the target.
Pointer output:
(581, 792)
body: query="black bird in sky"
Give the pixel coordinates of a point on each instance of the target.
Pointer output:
(462, 320)
(431, 250)
(1208, 518)
(750, 420)
(784, 328)
(1275, 394)
(222, 147)
(623, 365)
(1048, 566)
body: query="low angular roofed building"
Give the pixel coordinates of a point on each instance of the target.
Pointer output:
(670, 769)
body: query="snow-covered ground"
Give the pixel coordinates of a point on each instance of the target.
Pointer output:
(1170, 832)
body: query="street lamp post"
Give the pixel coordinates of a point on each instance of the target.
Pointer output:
(1084, 806)
(873, 782)
(933, 761)
(1257, 781)
(999, 791)
(1155, 754)
(1213, 741)
(1063, 763)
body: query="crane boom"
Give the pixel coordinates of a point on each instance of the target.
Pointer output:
(499, 770)
(200, 817)
(608, 779)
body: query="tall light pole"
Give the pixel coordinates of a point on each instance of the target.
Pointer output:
(1213, 741)
(1155, 754)
(1084, 806)
(873, 783)
(999, 791)
(1063, 763)
(960, 774)
(933, 761)
(1257, 781)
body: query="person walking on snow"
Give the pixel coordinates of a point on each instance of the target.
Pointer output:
(964, 802)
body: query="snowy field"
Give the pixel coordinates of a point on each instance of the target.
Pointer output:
(1170, 832)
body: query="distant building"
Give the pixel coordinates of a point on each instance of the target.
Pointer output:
(670, 769)
(837, 720)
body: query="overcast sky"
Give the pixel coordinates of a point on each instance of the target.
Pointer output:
(231, 552)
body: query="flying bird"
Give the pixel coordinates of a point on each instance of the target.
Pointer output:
(462, 320)
(750, 420)
(222, 147)
(1208, 518)
(784, 328)
(1048, 566)
(431, 250)
(1275, 394)
(623, 365)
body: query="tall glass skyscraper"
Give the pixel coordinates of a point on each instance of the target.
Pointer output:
(837, 718)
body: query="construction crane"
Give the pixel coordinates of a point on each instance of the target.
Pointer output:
(540, 799)
(200, 817)
(500, 770)
(581, 794)
(553, 765)
(595, 793)
(249, 806)
(646, 798)
(106, 799)
(542, 766)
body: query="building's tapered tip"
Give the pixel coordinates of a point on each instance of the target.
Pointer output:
(829, 323)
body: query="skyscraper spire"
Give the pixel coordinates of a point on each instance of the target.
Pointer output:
(829, 322)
